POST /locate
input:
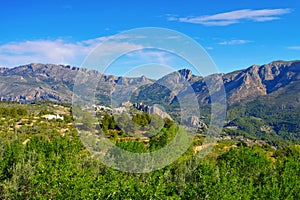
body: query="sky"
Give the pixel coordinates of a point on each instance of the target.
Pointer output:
(235, 34)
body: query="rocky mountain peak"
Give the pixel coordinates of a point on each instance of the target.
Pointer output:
(143, 78)
(3, 69)
(261, 80)
(186, 73)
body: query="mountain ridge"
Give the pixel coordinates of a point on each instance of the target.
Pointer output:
(55, 82)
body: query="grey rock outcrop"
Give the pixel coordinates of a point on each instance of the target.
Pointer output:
(194, 122)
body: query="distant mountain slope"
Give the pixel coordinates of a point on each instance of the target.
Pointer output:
(261, 80)
(55, 82)
(277, 80)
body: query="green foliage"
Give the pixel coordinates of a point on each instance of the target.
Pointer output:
(266, 121)
(163, 138)
(168, 123)
(125, 123)
(141, 119)
(13, 112)
(53, 164)
(108, 122)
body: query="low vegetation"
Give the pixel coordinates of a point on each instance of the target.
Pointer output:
(45, 159)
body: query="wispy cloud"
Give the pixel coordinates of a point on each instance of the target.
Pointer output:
(152, 56)
(209, 48)
(234, 17)
(61, 51)
(233, 42)
(57, 51)
(294, 47)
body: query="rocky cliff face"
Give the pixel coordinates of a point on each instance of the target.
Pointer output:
(260, 80)
(156, 110)
(246, 84)
(242, 85)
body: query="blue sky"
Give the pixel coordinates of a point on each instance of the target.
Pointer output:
(235, 33)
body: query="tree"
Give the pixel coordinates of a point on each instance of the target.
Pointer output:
(125, 123)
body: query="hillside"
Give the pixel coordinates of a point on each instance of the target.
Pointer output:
(55, 82)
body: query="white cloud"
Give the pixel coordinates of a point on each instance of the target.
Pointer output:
(74, 53)
(294, 47)
(12, 54)
(57, 51)
(233, 42)
(152, 56)
(234, 17)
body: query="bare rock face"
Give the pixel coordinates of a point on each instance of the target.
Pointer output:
(186, 74)
(38, 82)
(194, 122)
(260, 80)
(279, 74)
(3, 69)
(156, 110)
(247, 84)
(176, 78)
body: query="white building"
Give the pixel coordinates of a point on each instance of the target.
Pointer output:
(50, 117)
(119, 110)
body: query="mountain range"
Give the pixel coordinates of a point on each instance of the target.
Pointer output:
(31, 82)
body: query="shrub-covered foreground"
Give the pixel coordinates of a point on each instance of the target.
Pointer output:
(60, 168)
(48, 161)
